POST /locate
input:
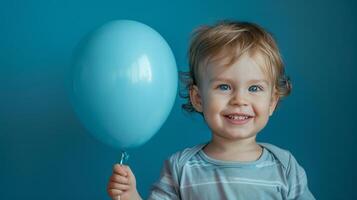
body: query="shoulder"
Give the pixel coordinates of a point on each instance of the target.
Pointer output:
(282, 155)
(292, 169)
(295, 174)
(181, 157)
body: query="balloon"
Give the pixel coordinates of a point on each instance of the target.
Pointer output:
(123, 83)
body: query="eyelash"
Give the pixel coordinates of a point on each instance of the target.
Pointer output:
(259, 88)
(220, 86)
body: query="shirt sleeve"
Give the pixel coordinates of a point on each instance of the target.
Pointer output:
(298, 187)
(167, 187)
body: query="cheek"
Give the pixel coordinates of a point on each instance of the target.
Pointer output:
(262, 107)
(213, 103)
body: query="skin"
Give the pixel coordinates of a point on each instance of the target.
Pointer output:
(242, 87)
(122, 184)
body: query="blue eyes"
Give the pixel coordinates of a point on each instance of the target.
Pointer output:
(224, 87)
(253, 88)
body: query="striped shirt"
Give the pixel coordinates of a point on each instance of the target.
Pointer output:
(191, 174)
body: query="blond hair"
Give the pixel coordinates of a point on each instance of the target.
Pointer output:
(231, 39)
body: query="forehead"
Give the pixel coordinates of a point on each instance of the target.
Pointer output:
(245, 67)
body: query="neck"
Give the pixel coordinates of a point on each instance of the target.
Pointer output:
(243, 150)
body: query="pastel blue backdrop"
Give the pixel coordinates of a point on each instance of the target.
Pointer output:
(46, 153)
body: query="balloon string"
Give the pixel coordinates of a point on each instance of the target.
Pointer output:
(123, 158)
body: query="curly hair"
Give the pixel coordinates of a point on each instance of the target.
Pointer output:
(224, 40)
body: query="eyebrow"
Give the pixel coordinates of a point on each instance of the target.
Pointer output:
(231, 80)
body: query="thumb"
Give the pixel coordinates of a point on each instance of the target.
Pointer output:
(129, 173)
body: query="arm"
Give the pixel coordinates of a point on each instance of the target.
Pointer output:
(167, 187)
(298, 187)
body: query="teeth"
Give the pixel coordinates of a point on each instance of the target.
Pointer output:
(238, 117)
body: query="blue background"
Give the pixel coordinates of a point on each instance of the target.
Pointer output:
(45, 153)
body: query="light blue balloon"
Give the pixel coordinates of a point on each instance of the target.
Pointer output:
(123, 83)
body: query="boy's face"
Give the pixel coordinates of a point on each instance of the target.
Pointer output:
(236, 100)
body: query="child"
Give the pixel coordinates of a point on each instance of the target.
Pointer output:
(236, 80)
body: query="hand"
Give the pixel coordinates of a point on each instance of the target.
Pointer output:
(122, 184)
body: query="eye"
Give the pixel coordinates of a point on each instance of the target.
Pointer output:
(255, 88)
(224, 87)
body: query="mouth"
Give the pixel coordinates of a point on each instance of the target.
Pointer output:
(238, 118)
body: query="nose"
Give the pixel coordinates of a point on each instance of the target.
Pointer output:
(239, 98)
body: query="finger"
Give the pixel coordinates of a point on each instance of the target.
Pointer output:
(119, 179)
(114, 192)
(130, 174)
(120, 169)
(127, 169)
(118, 186)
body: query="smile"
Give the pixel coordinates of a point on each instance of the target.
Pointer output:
(238, 119)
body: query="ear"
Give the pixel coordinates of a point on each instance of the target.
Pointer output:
(273, 102)
(195, 98)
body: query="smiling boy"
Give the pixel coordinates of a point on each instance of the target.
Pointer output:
(236, 80)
